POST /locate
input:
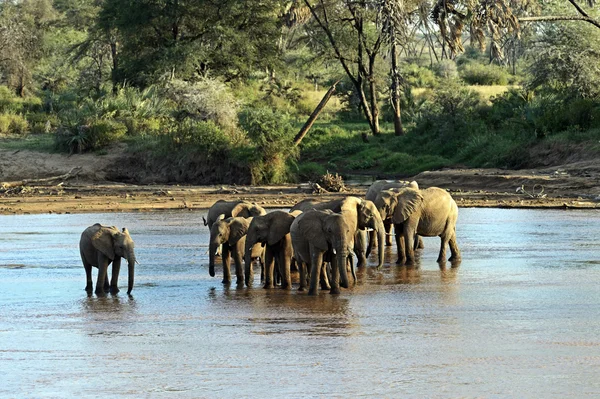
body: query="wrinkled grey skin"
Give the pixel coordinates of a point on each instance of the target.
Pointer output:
(230, 233)
(315, 233)
(429, 213)
(100, 246)
(359, 214)
(273, 232)
(371, 195)
(231, 209)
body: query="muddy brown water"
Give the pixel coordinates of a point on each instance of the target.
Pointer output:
(520, 317)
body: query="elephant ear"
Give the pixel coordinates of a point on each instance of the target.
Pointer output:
(279, 227)
(413, 184)
(238, 227)
(311, 226)
(103, 240)
(409, 200)
(241, 210)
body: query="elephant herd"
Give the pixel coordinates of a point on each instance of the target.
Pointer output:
(322, 238)
(318, 238)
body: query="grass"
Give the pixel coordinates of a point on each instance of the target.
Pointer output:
(32, 142)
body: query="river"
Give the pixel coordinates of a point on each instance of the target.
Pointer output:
(519, 317)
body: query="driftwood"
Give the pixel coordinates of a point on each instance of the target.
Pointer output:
(26, 182)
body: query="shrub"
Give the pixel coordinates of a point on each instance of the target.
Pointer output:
(13, 124)
(417, 76)
(478, 74)
(446, 69)
(206, 100)
(203, 136)
(272, 133)
(311, 171)
(93, 135)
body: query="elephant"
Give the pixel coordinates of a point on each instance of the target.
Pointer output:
(371, 195)
(232, 209)
(231, 234)
(100, 246)
(316, 234)
(359, 214)
(273, 232)
(430, 212)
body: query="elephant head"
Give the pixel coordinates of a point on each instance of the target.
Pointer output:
(369, 217)
(230, 231)
(247, 209)
(325, 231)
(405, 202)
(267, 229)
(116, 244)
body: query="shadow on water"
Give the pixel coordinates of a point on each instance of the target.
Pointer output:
(116, 306)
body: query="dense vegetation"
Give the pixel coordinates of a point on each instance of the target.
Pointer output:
(212, 92)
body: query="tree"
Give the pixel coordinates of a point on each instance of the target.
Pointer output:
(22, 28)
(350, 30)
(187, 38)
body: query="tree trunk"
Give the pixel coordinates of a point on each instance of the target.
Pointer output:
(398, 129)
(314, 115)
(115, 66)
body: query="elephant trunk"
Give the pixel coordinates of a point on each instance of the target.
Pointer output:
(250, 241)
(212, 249)
(340, 258)
(130, 271)
(380, 228)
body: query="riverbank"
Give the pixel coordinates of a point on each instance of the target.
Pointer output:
(573, 185)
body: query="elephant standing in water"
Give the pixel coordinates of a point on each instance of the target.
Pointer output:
(273, 231)
(231, 234)
(100, 246)
(317, 233)
(430, 212)
(359, 214)
(372, 192)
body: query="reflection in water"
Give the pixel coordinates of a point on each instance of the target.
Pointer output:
(519, 308)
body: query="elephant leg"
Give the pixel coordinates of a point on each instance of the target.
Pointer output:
(388, 233)
(88, 277)
(409, 245)
(102, 271)
(372, 241)
(225, 252)
(419, 242)
(443, 244)
(239, 263)
(285, 265)
(455, 257)
(114, 278)
(316, 265)
(269, 266)
(302, 271)
(324, 278)
(335, 277)
(400, 246)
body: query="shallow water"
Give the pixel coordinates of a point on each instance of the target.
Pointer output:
(519, 318)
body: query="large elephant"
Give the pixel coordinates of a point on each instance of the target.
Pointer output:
(317, 233)
(231, 234)
(372, 192)
(232, 209)
(359, 214)
(100, 246)
(272, 231)
(429, 213)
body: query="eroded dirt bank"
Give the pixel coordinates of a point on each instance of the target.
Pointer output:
(574, 185)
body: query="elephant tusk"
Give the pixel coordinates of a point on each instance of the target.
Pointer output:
(137, 262)
(390, 234)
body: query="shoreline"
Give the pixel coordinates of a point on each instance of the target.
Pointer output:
(93, 198)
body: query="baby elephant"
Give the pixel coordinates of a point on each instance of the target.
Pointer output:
(100, 246)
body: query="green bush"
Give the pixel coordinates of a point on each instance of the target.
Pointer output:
(203, 136)
(91, 136)
(478, 74)
(310, 171)
(417, 76)
(272, 133)
(13, 124)
(41, 122)
(446, 69)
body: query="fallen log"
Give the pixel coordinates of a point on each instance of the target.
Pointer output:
(26, 182)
